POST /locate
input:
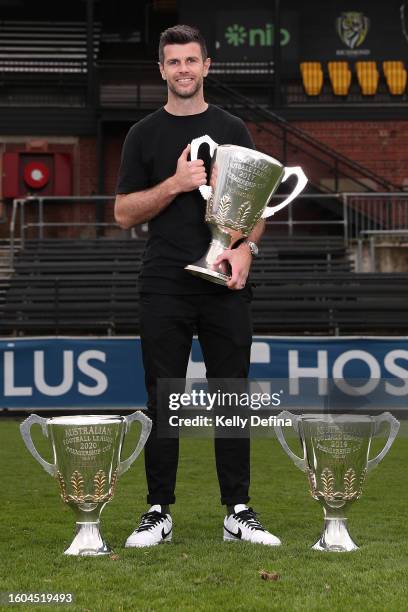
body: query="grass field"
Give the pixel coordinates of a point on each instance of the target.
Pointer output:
(198, 571)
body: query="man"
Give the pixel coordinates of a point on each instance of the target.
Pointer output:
(158, 183)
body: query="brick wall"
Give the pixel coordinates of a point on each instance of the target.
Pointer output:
(112, 150)
(86, 169)
(381, 146)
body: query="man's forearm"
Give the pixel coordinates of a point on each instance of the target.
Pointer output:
(141, 206)
(256, 234)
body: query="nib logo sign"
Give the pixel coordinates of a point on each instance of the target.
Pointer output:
(237, 35)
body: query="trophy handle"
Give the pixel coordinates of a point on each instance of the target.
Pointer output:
(146, 428)
(298, 461)
(205, 190)
(394, 427)
(25, 428)
(300, 185)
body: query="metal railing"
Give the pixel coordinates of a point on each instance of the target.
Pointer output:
(376, 212)
(20, 226)
(374, 216)
(291, 222)
(357, 216)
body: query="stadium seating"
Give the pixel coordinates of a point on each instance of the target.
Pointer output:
(312, 76)
(334, 303)
(71, 285)
(45, 46)
(367, 76)
(340, 77)
(395, 76)
(302, 284)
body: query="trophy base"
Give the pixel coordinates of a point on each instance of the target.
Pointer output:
(88, 542)
(210, 275)
(335, 537)
(205, 268)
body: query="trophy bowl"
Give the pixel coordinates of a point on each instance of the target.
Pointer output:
(86, 463)
(336, 461)
(242, 181)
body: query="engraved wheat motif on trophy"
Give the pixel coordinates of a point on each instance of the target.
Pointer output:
(113, 482)
(99, 483)
(312, 482)
(244, 213)
(328, 481)
(350, 492)
(328, 485)
(221, 216)
(63, 488)
(362, 477)
(361, 482)
(77, 483)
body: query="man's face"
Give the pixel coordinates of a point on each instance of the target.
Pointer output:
(184, 69)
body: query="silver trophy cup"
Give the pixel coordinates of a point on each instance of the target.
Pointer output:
(335, 459)
(242, 181)
(87, 463)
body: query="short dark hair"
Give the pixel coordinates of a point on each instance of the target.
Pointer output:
(181, 35)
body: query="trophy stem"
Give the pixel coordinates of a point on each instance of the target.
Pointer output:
(88, 541)
(335, 536)
(204, 267)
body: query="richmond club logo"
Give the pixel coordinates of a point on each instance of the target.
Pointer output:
(352, 28)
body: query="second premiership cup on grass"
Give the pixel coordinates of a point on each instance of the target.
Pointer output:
(242, 181)
(87, 463)
(335, 458)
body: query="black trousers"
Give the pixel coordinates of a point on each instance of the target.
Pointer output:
(167, 325)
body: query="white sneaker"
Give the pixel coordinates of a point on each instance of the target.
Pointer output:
(155, 528)
(243, 525)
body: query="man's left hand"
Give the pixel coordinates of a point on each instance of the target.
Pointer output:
(240, 260)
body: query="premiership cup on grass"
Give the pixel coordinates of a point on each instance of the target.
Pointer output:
(242, 181)
(335, 458)
(87, 463)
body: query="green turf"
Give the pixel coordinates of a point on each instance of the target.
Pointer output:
(198, 571)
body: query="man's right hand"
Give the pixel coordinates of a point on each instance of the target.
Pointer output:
(189, 174)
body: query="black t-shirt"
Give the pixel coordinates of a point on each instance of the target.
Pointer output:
(178, 235)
